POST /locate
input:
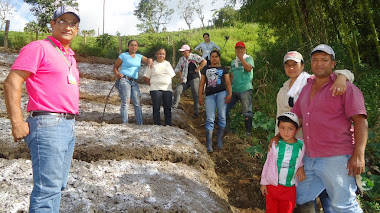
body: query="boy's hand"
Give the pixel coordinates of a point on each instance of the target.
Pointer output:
(301, 174)
(264, 190)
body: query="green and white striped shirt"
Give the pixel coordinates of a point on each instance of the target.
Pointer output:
(288, 157)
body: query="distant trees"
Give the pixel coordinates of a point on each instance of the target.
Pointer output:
(186, 11)
(86, 33)
(6, 11)
(153, 14)
(226, 16)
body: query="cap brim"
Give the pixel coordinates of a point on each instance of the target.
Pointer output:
(293, 59)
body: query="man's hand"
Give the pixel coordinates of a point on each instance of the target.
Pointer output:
(275, 140)
(264, 190)
(240, 53)
(20, 131)
(355, 165)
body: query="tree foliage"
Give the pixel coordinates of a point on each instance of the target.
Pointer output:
(154, 15)
(226, 16)
(44, 9)
(353, 24)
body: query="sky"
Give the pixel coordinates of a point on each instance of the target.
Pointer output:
(118, 16)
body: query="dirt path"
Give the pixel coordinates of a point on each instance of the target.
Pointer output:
(239, 172)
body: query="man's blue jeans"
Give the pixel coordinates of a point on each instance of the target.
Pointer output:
(212, 103)
(129, 90)
(165, 97)
(246, 101)
(329, 173)
(51, 142)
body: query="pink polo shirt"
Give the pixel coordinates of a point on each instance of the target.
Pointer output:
(327, 124)
(48, 86)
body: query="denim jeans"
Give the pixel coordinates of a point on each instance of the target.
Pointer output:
(246, 101)
(329, 173)
(165, 97)
(129, 90)
(51, 142)
(212, 103)
(182, 87)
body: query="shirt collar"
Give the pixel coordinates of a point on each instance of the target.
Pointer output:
(332, 77)
(60, 46)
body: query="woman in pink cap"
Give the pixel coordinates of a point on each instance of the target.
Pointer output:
(189, 67)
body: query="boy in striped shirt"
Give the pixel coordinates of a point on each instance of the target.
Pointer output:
(283, 166)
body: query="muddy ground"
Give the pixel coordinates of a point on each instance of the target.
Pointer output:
(126, 168)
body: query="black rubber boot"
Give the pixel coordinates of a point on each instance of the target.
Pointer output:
(209, 140)
(305, 208)
(248, 125)
(220, 137)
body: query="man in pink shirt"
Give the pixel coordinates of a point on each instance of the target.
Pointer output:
(334, 151)
(49, 68)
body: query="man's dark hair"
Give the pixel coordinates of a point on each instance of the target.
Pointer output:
(215, 51)
(286, 119)
(206, 34)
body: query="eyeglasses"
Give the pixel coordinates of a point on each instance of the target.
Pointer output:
(64, 23)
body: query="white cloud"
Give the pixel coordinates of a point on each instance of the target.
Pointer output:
(21, 17)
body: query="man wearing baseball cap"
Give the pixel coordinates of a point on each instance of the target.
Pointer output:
(49, 68)
(331, 160)
(241, 77)
(188, 68)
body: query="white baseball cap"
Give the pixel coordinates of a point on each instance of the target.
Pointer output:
(324, 48)
(292, 116)
(294, 56)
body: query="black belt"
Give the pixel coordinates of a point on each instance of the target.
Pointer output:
(128, 78)
(58, 114)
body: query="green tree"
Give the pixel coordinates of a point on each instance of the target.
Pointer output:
(44, 9)
(226, 16)
(154, 15)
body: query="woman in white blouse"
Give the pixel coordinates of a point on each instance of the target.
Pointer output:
(159, 78)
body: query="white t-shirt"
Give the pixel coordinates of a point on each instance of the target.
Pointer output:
(160, 76)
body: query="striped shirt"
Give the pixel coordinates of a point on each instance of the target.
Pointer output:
(288, 157)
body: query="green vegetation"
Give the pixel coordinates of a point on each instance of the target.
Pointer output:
(267, 47)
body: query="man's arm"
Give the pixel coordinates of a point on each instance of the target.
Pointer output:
(12, 92)
(356, 163)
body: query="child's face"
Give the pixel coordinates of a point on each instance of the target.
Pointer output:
(287, 131)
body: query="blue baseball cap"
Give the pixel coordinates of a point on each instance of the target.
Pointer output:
(66, 9)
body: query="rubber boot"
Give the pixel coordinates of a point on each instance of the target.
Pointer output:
(209, 140)
(305, 208)
(220, 137)
(248, 125)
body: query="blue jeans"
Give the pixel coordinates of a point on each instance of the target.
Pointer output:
(212, 103)
(329, 173)
(129, 90)
(182, 87)
(165, 97)
(246, 101)
(51, 142)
